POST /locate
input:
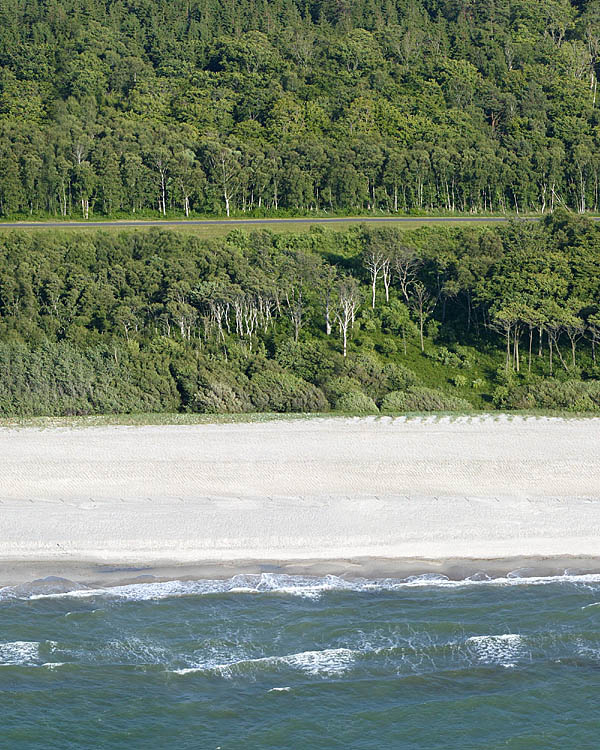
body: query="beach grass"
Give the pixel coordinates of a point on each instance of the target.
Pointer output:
(141, 420)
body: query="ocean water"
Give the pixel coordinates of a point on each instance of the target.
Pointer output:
(294, 663)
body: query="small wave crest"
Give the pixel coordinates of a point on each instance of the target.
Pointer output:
(400, 650)
(328, 662)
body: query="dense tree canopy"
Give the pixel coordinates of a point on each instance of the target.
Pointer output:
(198, 106)
(366, 319)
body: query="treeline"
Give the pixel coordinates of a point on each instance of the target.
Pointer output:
(358, 321)
(281, 106)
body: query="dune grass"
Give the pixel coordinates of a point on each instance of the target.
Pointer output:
(185, 419)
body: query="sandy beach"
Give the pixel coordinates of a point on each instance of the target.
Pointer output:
(327, 495)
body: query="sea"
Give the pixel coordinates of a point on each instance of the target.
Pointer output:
(302, 663)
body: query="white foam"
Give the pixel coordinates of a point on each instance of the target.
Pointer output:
(504, 650)
(134, 651)
(229, 669)
(310, 587)
(19, 653)
(426, 578)
(586, 650)
(328, 662)
(188, 670)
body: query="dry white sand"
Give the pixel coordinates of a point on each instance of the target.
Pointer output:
(315, 489)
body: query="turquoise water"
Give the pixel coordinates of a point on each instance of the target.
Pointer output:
(293, 663)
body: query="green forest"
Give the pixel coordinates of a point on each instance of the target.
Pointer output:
(290, 107)
(366, 320)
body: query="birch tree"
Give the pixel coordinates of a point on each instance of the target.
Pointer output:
(348, 302)
(226, 171)
(160, 162)
(405, 264)
(422, 303)
(374, 260)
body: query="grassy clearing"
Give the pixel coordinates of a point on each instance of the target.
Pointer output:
(221, 229)
(473, 379)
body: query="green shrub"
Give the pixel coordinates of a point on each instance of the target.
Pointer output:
(394, 401)
(503, 397)
(364, 343)
(572, 395)
(310, 360)
(464, 354)
(452, 358)
(370, 324)
(283, 392)
(59, 379)
(396, 318)
(356, 402)
(459, 381)
(220, 398)
(423, 399)
(387, 346)
(377, 379)
(398, 377)
(338, 387)
(431, 399)
(575, 395)
(211, 387)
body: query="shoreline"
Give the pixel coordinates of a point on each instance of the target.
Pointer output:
(354, 497)
(51, 575)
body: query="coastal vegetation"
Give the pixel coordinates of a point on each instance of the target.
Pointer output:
(365, 320)
(286, 107)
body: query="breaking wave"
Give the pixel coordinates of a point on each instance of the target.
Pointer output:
(399, 650)
(328, 662)
(310, 587)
